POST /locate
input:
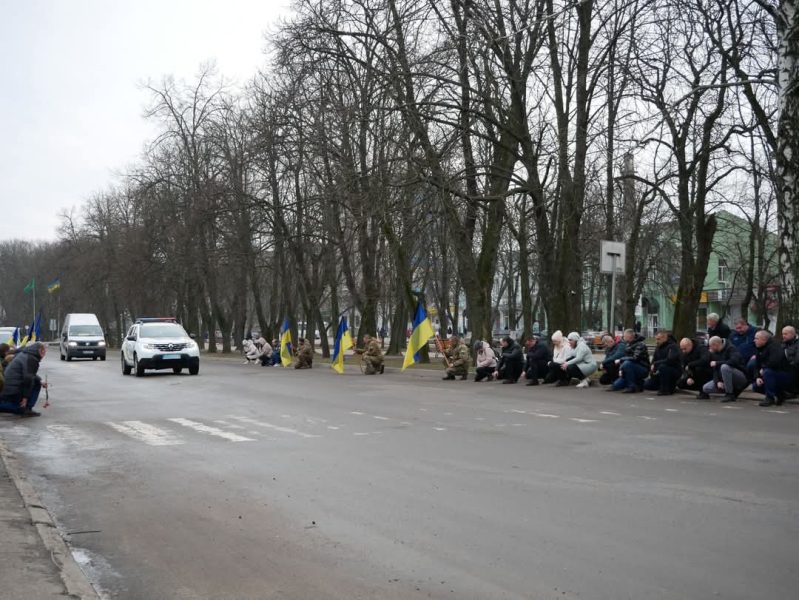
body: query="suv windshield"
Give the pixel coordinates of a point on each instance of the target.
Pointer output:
(162, 330)
(78, 330)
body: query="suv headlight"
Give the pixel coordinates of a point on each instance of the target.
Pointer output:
(101, 343)
(149, 346)
(72, 344)
(191, 345)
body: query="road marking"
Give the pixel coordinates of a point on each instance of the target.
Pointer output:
(583, 420)
(273, 426)
(360, 433)
(672, 410)
(779, 412)
(518, 412)
(74, 436)
(733, 407)
(229, 424)
(332, 427)
(546, 416)
(149, 434)
(215, 431)
(355, 412)
(518, 425)
(380, 418)
(607, 412)
(440, 428)
(647, 418)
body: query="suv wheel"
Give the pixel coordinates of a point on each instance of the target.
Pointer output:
(125, 366)
(62, 356)
(194, 370)
(139, 369)
(177, 370)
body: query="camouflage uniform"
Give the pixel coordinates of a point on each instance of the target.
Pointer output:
(459, 359)
(305, 356)
(372, 358)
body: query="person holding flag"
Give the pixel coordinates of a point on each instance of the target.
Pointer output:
(342, 343)
(286, 352)
(422, 332)
(372, 355)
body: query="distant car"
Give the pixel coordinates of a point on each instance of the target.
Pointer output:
(159, 344)
(6, 333)
(82, 337)
(593, 339)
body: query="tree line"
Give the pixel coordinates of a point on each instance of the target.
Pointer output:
(461, 149)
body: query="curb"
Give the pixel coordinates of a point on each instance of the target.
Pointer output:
(75, 581)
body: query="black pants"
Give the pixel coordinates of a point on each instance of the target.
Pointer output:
(510, 370)
(610, 373)
(664, 381)
(483, 372)
(571, 372)
(537, 370)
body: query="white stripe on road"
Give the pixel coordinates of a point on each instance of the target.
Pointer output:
(672, 410)
(149, 434)
(607, 412)
(647, 418)
(546, 416)
(215, 431)
(273, 426)
(582, 420)
(380, 418)
(74, 436)
(228, 424)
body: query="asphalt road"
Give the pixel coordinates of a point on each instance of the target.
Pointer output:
(249, 482)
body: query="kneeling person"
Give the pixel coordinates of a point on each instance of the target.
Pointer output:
(372, 356)
(457, 358)
(304, 355)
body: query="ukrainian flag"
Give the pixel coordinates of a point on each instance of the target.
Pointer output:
(285, 344)
(31, 336)
(341, 345)
(422, 331)
(51, 287)
(13, 339)
(37, 329)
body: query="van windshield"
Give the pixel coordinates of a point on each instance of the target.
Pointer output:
(85, 330)
(162, 330)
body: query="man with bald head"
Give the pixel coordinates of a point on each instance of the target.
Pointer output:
(774, 374)
(728, 371)
(790, 346)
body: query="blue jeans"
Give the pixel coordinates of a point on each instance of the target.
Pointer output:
(10, 404)
(774, 382)
(631, 375)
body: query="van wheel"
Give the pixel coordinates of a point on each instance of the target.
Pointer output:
(102, 357)
(125, 366)
(94, 358)
(69, 358)
(137, 366)
(194, 370)
(177, 370)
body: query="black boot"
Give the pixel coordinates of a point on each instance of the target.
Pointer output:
(533, 382)
(448, 377)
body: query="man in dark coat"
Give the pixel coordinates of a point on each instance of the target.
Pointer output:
(790, 346)
(613, 352)
(510, 365)
(665, 368)
(717, 327)
(22, 384)
(729, 371)
(633, 366)
(774, 376)
(538, 355)
(695, 362)
(743, 338)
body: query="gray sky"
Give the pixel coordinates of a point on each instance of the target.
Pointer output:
(71, 106)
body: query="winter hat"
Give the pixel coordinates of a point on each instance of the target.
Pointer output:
(573, 337)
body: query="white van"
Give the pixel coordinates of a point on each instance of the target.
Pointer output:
(82, 337)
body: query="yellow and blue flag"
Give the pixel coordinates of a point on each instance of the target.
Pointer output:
(285, 344)
(30, 336)
(37, 329)
(422, 332)
(13, 339)
(51, 287)
(341, 345)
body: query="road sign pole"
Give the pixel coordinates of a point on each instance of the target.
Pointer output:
(612, 328)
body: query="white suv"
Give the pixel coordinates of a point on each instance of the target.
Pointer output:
(159, 344)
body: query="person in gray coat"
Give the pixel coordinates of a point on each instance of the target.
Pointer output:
(579, 365)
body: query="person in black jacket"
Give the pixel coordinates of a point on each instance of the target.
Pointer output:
(729, 371)
(511, 360)
(715, 326)
(773, 371)
(633, 366)
(695, 362)
(22, 384)
(790, 346)
(538, 355)
(665, 368)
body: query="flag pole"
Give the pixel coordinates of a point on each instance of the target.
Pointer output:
(34, 299)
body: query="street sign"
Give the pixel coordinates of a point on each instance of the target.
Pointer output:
(610, 252)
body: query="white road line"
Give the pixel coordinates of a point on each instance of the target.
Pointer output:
(273, 426)
(518, 412)
(779, 412)
(672, 410)
(733, 407)
(546, 416)
(518, 425)
(582, 420)
(380, 418)
(607, 412)
(73, 436)
(332, 427)
(647, 418)
(360, 433)
(356, 412)
(215, 431)
(440, 428)
(149, 434)
(229, 424)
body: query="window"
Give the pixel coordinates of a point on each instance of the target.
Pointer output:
(723, 271)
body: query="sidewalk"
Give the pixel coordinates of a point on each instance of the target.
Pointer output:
(35, 563)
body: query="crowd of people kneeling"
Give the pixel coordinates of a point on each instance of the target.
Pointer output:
(732, 361)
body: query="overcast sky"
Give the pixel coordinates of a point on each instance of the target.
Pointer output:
(71, 104)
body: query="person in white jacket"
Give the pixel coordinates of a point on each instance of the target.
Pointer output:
(561, 352)
(486, 361)
(579, 365)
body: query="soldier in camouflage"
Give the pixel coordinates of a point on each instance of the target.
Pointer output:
(304, 354)
(458, 358)
(372, 356)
